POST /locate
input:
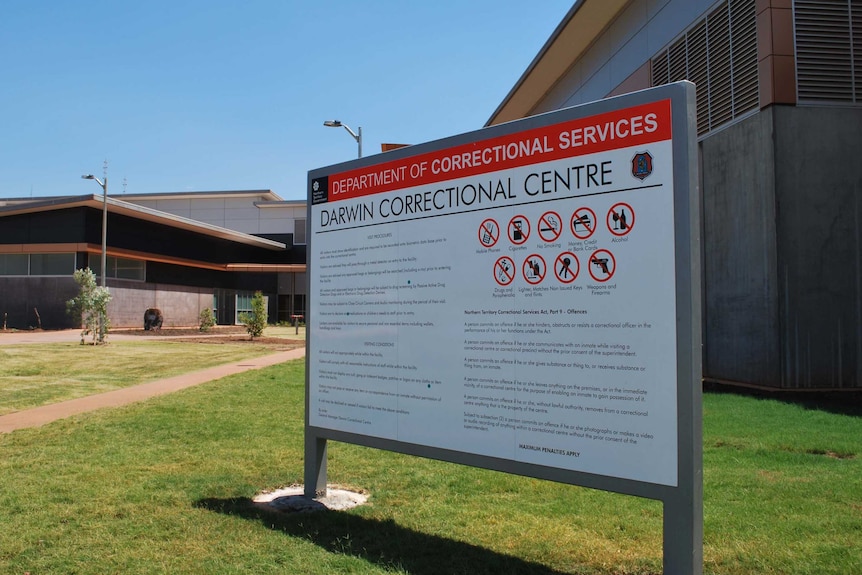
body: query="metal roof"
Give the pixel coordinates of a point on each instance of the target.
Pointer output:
(14, 206)
(580, 27)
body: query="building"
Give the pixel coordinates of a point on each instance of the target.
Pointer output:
(180, 253)
(779, 116)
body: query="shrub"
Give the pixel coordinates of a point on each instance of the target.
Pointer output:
(91, 305)
(255, 322)
(207, 319)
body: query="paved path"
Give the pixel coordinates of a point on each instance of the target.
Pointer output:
(48, 413)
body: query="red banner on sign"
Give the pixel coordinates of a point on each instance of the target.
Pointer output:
(633, 126)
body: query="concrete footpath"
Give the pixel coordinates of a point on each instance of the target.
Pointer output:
(48, 413)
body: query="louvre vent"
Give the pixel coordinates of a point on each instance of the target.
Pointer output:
(828, 50)
(718, 54)
(720, 66)
(698, 72)
(856, 33)
(743, 24)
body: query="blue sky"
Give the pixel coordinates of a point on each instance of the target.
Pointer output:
(188, 95)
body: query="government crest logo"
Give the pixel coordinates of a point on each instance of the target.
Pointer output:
(642, 165)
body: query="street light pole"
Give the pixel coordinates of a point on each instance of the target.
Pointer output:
(338, 124)
(104, 269)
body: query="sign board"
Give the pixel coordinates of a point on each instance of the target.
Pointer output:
(438, 329)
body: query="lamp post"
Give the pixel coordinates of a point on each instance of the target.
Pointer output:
(338, 124)
(104, 269)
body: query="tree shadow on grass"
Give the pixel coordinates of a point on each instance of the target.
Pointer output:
(384, 543)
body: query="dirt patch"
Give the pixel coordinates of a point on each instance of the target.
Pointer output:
(216, 336)
(292, 499)
(185, 331)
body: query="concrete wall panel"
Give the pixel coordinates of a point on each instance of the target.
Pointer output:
(239, 203)
(248, 226)
(563, 94)
(629, 58)
(819, 193)
(208, 215)
(207, 203)
(741, 337)
(274, 227)
(634, 17)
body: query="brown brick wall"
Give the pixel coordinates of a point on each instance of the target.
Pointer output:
(180, 305)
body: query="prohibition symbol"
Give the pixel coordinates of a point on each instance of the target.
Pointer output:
(519, 230)
(504, 271)
(489, 233)
(583, 223)
(567, 267)
(602, 265)
(534, 269)
(620, 219)
(550, 227)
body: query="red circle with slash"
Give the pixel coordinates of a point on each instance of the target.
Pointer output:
(620, 221)
(489, 233)
(550, 226)
(536, 264)
(604, 263)
(583, 223)
(504, 271)
(519, 230)
(564, 270)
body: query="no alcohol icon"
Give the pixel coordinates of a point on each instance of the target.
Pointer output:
(620, 219)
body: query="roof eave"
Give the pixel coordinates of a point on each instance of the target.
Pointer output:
(577, 31)
(142, 213)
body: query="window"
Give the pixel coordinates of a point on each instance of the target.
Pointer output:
(52, 264)
(299, 231)
(120, 268)
(243, 305)
(37, 264)
(299, 304)
(14, 264)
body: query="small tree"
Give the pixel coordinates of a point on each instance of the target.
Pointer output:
(207, 319)
(255, 322)
(91, 305)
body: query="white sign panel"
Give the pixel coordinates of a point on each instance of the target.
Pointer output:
(511, 297)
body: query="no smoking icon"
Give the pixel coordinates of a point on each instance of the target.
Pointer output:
(550, 227)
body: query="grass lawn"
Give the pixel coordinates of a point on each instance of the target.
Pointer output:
(32, 374)
(165, 487)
